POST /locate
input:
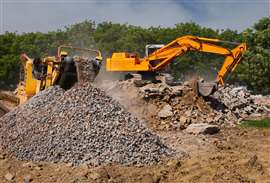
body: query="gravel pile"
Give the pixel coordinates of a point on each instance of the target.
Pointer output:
(81, 125)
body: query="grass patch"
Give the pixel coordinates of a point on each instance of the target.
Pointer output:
(264, 123)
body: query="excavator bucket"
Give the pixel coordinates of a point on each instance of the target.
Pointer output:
(83, 67)
(204, 89)
(87, 70)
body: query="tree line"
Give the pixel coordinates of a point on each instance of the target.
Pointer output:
(253, 72)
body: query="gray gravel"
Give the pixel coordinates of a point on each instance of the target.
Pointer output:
(81, 125)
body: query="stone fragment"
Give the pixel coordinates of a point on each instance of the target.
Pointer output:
(202, 128)
(28, 179)
(165, 112)
(93, 175)
(9, 176)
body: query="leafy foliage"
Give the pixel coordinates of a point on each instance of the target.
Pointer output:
(255, 69)
(264, 123)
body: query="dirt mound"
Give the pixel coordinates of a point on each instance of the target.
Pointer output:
(81, 125)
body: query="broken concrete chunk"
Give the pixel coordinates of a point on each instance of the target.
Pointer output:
(28, 179)
(9, 176)
(184, 122)
(202, 128)
(165, 112)
(188, 113)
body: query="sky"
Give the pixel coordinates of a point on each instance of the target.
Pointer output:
(49, 15)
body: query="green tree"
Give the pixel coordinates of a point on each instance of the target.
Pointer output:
(109, 37)
(81, 34)
(254, 71)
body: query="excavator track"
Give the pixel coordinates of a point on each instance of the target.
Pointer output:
(7, 102)
(3, 109)
(9, 97)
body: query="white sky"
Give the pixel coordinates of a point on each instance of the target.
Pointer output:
(49, 15)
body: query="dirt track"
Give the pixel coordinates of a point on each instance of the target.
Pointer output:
(234, 155)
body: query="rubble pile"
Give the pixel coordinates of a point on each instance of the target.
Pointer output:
(182, 107)
(239, 101)
(178, 106)
(81, 125)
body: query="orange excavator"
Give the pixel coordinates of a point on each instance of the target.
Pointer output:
(156, 61)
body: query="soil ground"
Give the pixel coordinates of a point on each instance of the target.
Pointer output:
(233, 155)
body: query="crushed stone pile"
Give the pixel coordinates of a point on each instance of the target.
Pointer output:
(81, 125)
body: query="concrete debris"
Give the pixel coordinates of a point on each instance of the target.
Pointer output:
(161, 90)
(81, 126)
(239, 101)
(262, 100)
(165, 112)
(9, 176)
(202, 128)
(28, 179)
(226, 107)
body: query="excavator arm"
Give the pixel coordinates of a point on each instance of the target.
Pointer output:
(191, 43)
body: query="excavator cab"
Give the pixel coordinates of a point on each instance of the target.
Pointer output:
(63, 54)
(150, 48)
